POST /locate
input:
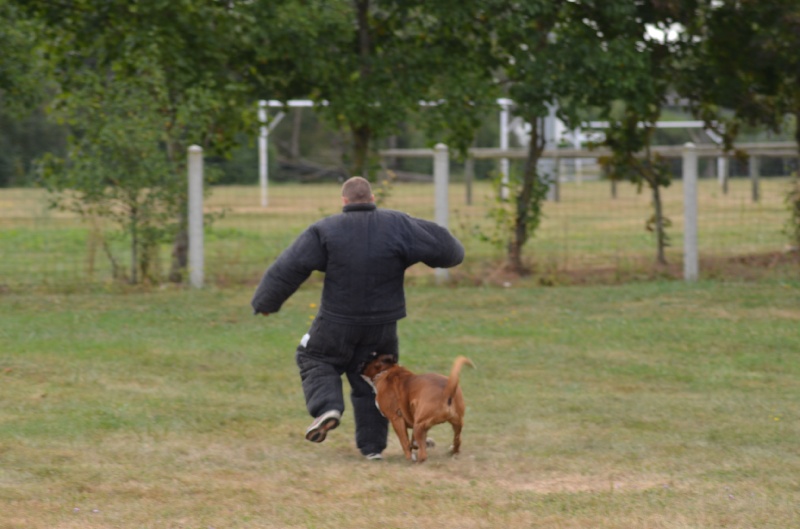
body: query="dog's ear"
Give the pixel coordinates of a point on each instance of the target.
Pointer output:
(376, 364)
(373, 365)
(387, 360)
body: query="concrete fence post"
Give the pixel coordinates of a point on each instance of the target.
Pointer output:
(723, 173)
(196, 263)
(469, 177)
(753, 166)
(690, 254)
(441, 180)
(504, 163)
(263, 153)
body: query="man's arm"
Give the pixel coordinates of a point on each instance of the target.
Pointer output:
(434, 245)
(288, 272)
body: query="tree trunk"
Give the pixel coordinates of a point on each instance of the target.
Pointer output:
(180, 252)
(362, 133)
(180, 245)
(651, 177)
(297, 121)
(529, 182)
(793, 197)
(391, 162)
(134, 246)
(362, 13)
(797, 141)
(661, 236)
(361, 137)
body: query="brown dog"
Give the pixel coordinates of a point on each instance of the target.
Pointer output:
(417, 401)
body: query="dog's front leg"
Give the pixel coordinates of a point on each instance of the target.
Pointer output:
(399, 425)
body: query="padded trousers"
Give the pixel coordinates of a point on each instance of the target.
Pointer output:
(330, 350)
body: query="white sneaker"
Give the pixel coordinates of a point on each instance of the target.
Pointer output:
(374, 457)
(319, 428)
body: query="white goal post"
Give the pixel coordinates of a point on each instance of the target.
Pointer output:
(553, 128)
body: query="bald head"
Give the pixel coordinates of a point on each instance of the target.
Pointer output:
(356, 190)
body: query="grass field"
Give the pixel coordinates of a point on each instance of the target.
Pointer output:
(585, 230)
(660, 405)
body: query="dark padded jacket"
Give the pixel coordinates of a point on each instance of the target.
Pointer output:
(364, 252)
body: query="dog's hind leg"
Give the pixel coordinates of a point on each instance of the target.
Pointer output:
(457, 426)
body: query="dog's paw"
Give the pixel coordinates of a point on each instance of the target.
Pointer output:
(429, 442)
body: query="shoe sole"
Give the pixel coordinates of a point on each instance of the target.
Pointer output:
(318, 434)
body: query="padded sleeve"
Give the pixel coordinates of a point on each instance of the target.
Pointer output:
(282, 279)
(434, 245)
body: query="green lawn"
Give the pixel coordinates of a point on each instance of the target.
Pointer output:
(656, 405)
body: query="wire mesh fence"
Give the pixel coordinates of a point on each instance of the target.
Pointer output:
(588, 229)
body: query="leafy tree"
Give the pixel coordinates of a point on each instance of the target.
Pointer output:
(194, 57)
(23, 139)
(24, 86)
(556, 55)
(464, 62)
(746, 61)
(746, 71)
(116, 167)
(639, 73)
(370, 62)
(528, 40)
(21, 68)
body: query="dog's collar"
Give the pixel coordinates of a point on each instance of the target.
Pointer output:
(379, 375)
(373, 381)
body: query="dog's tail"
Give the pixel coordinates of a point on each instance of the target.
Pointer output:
(452, 381)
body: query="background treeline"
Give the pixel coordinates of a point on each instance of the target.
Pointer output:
(133, 84)
(731, 63)
(23, 140)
